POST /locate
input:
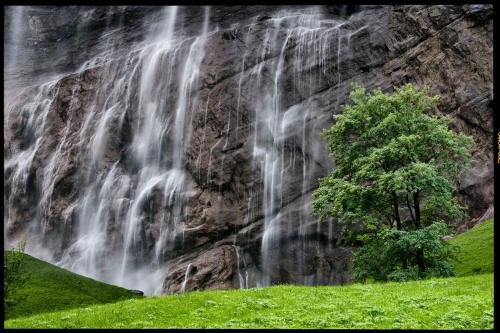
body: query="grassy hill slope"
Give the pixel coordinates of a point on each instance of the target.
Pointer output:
(475, 253)
(464, 302)
(51, 288)
(451, 303)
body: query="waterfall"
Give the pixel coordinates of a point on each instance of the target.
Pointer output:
(243, 280)
(17, 34)
(186, 276)
(122, 147)
(274, 122)
(143, 78)
(156, 173)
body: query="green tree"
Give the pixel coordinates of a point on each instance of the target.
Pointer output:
(14, 276)
(391, 189)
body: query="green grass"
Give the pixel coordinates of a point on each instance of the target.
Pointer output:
(464, 302)
(51, 288)
(450, 303)
(475, 253)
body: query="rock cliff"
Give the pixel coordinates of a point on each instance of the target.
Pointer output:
(173, 150)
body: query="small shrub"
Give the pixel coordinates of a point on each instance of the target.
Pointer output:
(381, 257)
(14, 276)
(402, 275)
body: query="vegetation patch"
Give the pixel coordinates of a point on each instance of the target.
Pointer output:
(475, 250)
(50, 288)
(438, 303)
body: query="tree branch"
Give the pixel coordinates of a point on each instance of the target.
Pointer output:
(389, 220)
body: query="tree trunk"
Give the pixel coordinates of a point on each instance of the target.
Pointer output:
(420, 260)
(396, 210)
(404, 262)
(416, 206)
(409, 208)
(420, 253)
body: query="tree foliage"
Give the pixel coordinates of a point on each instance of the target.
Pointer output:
(380, 256)
(391, 189)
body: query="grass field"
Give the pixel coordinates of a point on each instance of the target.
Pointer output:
(475, 253)
(464, 302)
(451, 303)
(51, 288)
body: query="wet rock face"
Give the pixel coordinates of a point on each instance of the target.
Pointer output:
(59, 39)
(230, 208)
(449, 49)
(212, 269)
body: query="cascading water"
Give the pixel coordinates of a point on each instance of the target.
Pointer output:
(274, 122)
(186, 277)
(110, 191)
(105, 152)
(12, 56)
(155, 123)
